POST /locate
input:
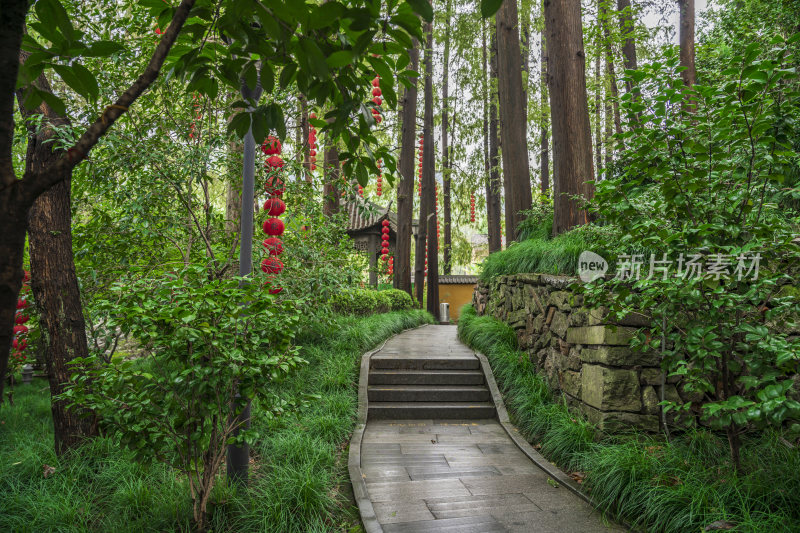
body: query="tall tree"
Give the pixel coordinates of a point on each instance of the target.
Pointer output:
(572, 140)
(686, 38)
(493, 186)
(332, 177)
(427, 193)
(446, 155)
(544, 142)
(516, 171)
(624, 9)
(405, 186)
(603, 17)
(54, 280)
(598, 115)
(429, 184)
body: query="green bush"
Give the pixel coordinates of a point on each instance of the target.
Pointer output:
(367, 301)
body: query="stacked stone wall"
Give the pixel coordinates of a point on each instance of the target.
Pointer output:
(581, 352)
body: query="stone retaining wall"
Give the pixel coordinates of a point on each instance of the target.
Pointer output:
(579, 351)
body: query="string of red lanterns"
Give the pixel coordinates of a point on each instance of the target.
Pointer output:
(20, 341)
(379, 185)
(385, 241)
(312, 144)
(391, 266)
(376, 99)
(472, 207)
(275, 207)
(419, 185)
(198, 116)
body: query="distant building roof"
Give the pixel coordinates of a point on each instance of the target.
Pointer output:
(459, 279)
(363, 214)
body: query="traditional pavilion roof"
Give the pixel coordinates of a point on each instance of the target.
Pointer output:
(363, 214)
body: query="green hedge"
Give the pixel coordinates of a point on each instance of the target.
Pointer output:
(368, 301)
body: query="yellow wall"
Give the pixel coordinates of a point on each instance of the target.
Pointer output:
(456, 294)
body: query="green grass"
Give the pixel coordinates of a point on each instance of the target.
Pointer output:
(298, 481)
(679, 486)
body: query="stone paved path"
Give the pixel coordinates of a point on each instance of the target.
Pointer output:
(461, 476)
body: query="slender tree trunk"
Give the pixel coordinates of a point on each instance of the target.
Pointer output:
(446, 162)
(543, 141)
(493, 208)
(629, 43)
(598, 116)
(304, 146)
(233, 193)
(429, 183)
(610, 69)
(54, 280)
(572, 138)
(405, 187)
(332, 176)
(516, 171)
(425, 196)
(525, 44)
(686, 38)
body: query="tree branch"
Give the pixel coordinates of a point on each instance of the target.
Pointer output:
(35, 184)
(12, 23)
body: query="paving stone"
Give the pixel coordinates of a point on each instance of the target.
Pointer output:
(472, 524)
(392, 512)
(415, 490)
(417, 473)
(505, 484)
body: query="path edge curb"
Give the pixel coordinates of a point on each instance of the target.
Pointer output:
(360, 493)
(538, 459)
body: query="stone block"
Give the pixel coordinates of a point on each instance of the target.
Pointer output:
(561, 299)
(574, 359)
(543, 341)
(652, 376)
(609, 335)
(557, 282)
(517, 299)
(650, 400)
(517, 319)
(578, 318)
(615, 421)
(533, 279)
(571, 383)
(611, 389)
(559, 324)
(538, 324)
(618, 356)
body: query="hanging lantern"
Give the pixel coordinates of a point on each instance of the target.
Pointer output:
(274, 289)
(361, 191)
(271, 265)
(20, 330)
(22, 303)
(275, 162)
(19, 344)
(271, 146)
(274, 207)
(273, 227)
(273, 245)
(274, 186)
(20, 318)
(376, 82)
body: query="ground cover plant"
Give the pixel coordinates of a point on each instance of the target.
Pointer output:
(298, 478)
(686, 484)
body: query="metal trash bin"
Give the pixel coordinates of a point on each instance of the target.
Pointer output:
(444, 313)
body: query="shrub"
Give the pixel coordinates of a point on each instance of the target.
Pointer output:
(368, 301)
(397, 300)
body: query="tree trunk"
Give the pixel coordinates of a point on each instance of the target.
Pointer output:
(543, 141)
(493, 209)
(54, 280)
(14, 221)
(516, 171)
(446, 162)
(612, 74)
(572, 142)
(629, 43)
(330, 189)
(405, 187)
(525, 45)
(304, 146)
(686, 37)
(429, 184)
(598, 116)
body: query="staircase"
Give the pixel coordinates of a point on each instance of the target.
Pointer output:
(445, 386)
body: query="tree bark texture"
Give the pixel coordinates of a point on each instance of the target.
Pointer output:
(405, 186)
(446, 159)
(429, 184)
(572, 141)
(493, 186)
(516, 169)
(686, 39)
(54, 280)
(603, 15)
(544, 143)
(598, 116)
(626, 26)
(304, 146)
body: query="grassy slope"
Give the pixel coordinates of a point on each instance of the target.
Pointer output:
(679, 486)
(299, 479)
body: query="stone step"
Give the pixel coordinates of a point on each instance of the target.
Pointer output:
(393, 362)
(430, 393)
(429, 410)
(425, 377)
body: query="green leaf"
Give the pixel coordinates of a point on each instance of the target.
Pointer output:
(51, 12)
(54, 102)
(315, 58)
(78, 78)
(103, 49)
(424, 9)
(339, 59)
(286, 75)
(490, 7)
(240, 124)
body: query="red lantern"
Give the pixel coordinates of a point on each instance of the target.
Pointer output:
(274, 186)
(378, 119)
(274, 162)
(19, 344)
(313, 166)
(20, 318)
(377, 100)
(312, 153)
(271, 146)
(20, 330)
(384, 257)
(385, 223)
(384, 250)
(376, 91)
(271, 265)
(274, 207)
(22, 303)
(275, 288)
(377, 81)
(26, 276)
(273, 245)
(273, 227)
